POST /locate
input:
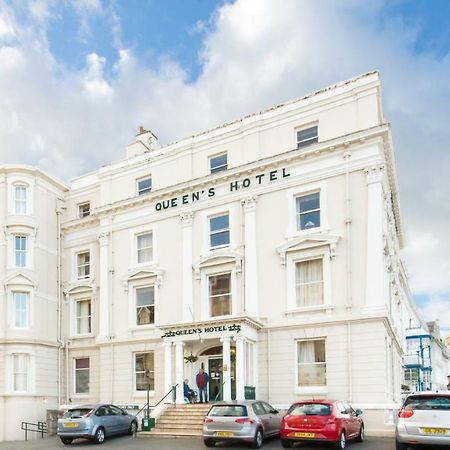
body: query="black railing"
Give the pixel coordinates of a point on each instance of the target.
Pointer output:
(40, 427)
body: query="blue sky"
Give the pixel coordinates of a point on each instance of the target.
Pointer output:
(78, 77)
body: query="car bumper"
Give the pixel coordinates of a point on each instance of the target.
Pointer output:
(247, 434)
(74, 434)
(419, 439)
(320, 435)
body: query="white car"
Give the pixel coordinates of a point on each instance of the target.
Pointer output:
(424, 420)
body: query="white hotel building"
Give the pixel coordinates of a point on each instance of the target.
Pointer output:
(266, 248)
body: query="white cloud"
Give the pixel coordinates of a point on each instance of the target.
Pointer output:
(438, 308)
(254, 54)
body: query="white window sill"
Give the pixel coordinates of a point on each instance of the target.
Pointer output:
(82, 336)
(317, 230)
(311, 390)
(83, 396)
(219, 317)
(307, 309)
(150, 326)
(218, 247)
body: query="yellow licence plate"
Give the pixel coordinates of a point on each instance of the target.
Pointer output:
(70, 425)
(435, 430)
(306, 435)
(224, 434)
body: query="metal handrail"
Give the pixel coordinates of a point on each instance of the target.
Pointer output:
(148, 406)
(220, 391)
(40, 427)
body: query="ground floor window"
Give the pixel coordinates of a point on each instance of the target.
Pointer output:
(21, 363)
(311, 363)
(82, 375)
(145, 371)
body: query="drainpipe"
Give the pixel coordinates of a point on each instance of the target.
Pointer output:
(349, 300)
(60, 341)
(268, 366)
(111, 310)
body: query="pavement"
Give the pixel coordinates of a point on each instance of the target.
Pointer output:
(130, 443)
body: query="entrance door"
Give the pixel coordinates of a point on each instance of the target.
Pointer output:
(215, 375)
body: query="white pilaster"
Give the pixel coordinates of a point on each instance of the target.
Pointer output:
(240, 368)
(226, 368)
(255, 369)
(167, 368)
(374, 251)
(250, 259)
(103, 322)
(179, 371)
(188, 303)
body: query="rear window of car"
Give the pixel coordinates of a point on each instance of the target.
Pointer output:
(310, 409)
(428, 402)
(228, 411)
(79, 412)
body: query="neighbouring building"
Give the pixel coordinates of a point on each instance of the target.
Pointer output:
(265, 250)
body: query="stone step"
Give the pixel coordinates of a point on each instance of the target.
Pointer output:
(170, 433)
(186, 420)
(179, 426)
(185, 413)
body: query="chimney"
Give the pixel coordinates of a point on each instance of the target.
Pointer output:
(146, 141)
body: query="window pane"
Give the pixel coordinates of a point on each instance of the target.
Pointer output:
(82, 381)
(311, 375)
(309, 220)
(218, 163)
(83, 265)
(145, 296)
(20, 199)
(219, 223)
(220, 305)
(311, 363)
(144, 248)
(307, 136)
(309, 282)
(145, 371)
(82, 363)
(144, 186)
(145, 240)
(218, 239)
(20, 310)
(219, 284)
(308, 202)
(20, 367)
(84, 210)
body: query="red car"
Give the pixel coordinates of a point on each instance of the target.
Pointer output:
(321, 421)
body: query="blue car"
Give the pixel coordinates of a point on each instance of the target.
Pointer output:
(95, 422)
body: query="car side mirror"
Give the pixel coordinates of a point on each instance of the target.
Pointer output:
(358, 412)
(124, 413)
(275, 411)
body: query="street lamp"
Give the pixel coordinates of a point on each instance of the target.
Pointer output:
(147, 374)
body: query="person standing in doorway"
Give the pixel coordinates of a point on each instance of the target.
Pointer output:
(202, 380)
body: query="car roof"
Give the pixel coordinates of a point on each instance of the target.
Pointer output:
(429, 394)
(237, 402)
(88, 405)
(323, 401)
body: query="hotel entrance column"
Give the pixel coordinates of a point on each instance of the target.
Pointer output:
(167, 368)
(179, 371)
(240, 369)
(226, 368)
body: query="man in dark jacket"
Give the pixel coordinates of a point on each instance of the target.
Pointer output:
(202, 380)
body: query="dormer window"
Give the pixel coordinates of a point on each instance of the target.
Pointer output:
(217, 163)
(20, 199)
(84, 209)
(144, 185)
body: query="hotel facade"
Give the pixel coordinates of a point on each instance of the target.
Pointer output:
(265, 250)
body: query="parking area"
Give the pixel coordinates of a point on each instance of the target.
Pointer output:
(126, 442)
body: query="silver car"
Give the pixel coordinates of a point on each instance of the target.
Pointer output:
(424, 420)
(95, 422)
(249, 421)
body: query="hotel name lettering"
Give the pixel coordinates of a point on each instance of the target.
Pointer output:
(237, 185)
(210, 329)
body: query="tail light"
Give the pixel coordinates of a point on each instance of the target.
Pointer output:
(405, 413)
(89, 414)
(244, 420)
(208, 420)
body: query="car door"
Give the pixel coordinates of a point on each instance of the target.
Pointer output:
(353, 423)
(263, 417)
(274, 419)
(103, 419)
(122, 422)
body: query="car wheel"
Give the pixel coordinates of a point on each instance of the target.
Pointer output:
(400, 446)
(286, 443)
(99, 436)
(342, 442)
(209, 443)
(258, 439)
(360, 437)
(66, 441)
(133, 428)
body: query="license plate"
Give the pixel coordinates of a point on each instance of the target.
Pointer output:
(304, 435)
(224, 434)
(70, 425)
(435, 430)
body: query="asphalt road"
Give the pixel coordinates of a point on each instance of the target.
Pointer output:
(128, 443)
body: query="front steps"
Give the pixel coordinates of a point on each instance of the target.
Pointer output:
(181, 421)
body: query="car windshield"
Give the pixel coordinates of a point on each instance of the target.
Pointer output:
(228, 411)
(76, 413)
(310, 409)
(428, 402)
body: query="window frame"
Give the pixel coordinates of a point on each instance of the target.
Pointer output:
(298, 214)
(137, 249)
(319, 388)
(322, 281)
(77, 266)
(143, 392)
(27, 373)
(81, 214)
(219, 168)
(135, 289)
(27, 310)
(24, 201)
(77, 318)
(222, 230)
(21, 252)
(306, 142)
(216, 274)
(147, 190)
(146, 281)
(75, 371)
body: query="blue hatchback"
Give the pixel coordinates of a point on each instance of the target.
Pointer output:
(95, 422)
